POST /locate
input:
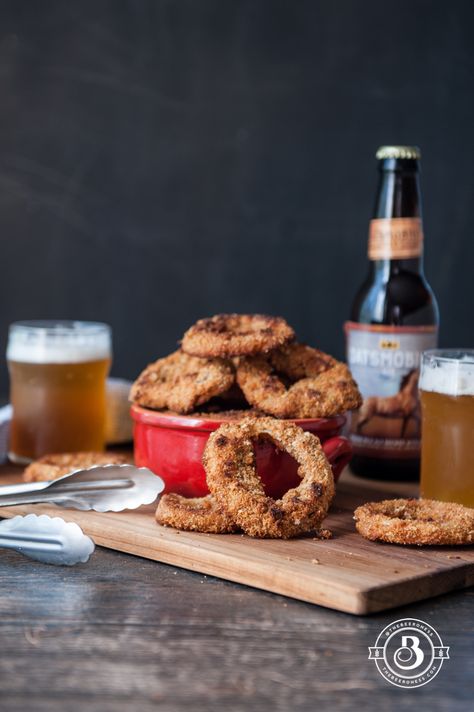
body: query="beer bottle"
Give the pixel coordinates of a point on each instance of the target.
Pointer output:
(394, 318)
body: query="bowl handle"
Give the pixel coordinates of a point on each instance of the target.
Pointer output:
(338, 451)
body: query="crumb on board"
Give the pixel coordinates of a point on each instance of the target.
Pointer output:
(322, 534)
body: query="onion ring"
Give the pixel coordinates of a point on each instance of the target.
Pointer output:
(181, 382)
(229, 461)
(50, 467)
(416, 521)
(324, 387)
(197, 514)
(229, 335)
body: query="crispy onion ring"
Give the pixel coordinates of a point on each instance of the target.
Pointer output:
(229, 335)
(181, 382)
(198, 514)
(50, 467)
(323, 387)
(416, 521)
(229, 461)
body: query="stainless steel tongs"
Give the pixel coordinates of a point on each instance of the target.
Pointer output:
(105, 488)
(50, 540)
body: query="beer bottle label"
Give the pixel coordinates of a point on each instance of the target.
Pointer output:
(395, 238)
(385, 361)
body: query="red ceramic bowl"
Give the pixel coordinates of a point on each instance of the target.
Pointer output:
(172, 445)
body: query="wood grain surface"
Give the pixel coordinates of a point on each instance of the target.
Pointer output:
(123, 633)
(346, 573)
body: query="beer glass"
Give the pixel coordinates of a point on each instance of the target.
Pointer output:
(447, 404)
(58, 371)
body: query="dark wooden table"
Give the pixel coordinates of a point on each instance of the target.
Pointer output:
(122, 633)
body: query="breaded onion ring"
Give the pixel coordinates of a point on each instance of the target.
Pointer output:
(50, 467)
(198, 514)
(322, 386)
(181, 382)
(299, 361)
(416, 521)
(229, 461)
(229, 335)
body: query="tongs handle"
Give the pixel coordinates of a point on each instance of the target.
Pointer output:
(58, 490)
(23, 493)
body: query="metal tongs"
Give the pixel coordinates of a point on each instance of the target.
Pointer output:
(105, 488)
(108, 488)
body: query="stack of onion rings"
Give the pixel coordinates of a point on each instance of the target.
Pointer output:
(419, 522)
(323, 387)
(228, 335)
(275, 375)
(229, 461)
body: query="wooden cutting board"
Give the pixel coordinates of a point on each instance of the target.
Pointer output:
(346, 573)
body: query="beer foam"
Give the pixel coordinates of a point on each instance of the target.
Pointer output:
(449, 377)
(77, 344)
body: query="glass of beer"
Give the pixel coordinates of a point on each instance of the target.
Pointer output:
(447, 404)
(58, 371)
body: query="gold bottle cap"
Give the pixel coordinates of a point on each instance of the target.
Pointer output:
(408, 152)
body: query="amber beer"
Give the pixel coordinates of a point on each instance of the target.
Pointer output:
(447, 402)
(58, 372)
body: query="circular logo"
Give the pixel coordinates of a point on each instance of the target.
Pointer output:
(408, 653)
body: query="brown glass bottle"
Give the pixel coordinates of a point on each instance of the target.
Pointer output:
(394, 317)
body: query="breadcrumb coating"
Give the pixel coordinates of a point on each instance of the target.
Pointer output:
(228, 335)
(298, 382)
(181, 382)
(229, 461)
(416, 521)
(197, 514)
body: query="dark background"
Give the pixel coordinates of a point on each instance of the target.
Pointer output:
(164, 160)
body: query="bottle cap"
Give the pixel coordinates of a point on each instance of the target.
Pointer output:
(406, 152)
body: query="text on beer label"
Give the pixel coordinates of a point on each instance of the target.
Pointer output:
(374, 358)
(395, 238)
(385, 362)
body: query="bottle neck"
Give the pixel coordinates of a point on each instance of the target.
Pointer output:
(398, 196)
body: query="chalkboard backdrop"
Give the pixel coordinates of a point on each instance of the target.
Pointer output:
(162, 160)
